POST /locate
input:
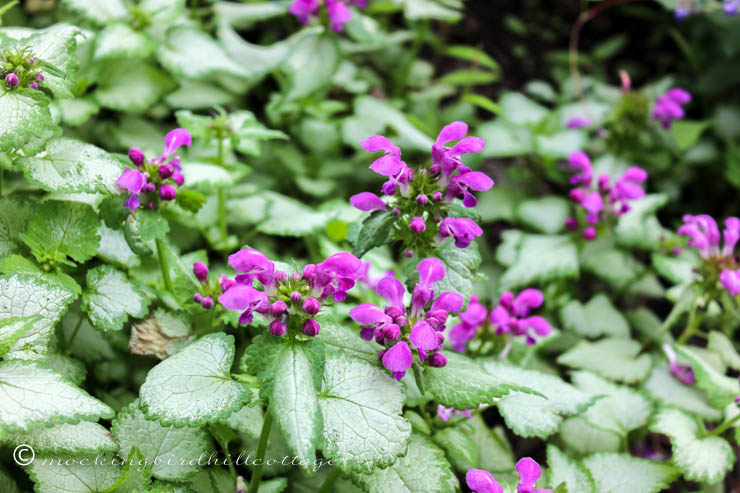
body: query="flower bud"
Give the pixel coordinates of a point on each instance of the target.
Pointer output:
(381, 353)
(201, 272)
(175, 162)
(437, 197)
(435, 170)
(151, 206)
(417, 225)
(296, 297)
(577, 195)
(408, 253)
(438, 360)
(571, 224)
(165, 171)
(278, 308)
(396, 211)
(279, 276)
(392, 332)
(207, 302)
(440, 339)
(11, 79)
(40, 77)
(135, 155)
(33, 85)
(309, 272)
(603, 182)
(278, 328)
(178, 178)
(311, 306)
(31, 60)
(311, 328)
(226, 283)
(393, 311)
(148, 188)
(589, 233)
(197, 297)
(401, 321)
(379, 336)
(294, 276)
(422, 199)
(167, 192)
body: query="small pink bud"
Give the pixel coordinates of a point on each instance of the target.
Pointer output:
(577, 195)
(11, 79)
(277, 328)
(311, 328)
(296, 297)
(226, 283)
(148, 188)
(589, 233)
(207, 302)
(438, 360)
(417, 225)
(151, 206)
(178, 178)
(197, 297)
(437, 197)
(571, 224)
(392, 332)
(167, 192)
(396, 211)
(294, 276)
(278, 308)
(435, 170)
(135, 155)
(309, 272)
(311, 306)
(408, 253)
(201, 272)
(421, 199)
(40, 77)
(33, 85)
(165, 171)
(401, 321)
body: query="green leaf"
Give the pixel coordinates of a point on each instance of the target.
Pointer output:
(703, 459)
(468, 77)
(617, 473)
(135, 477)
(461, 265)
(132, 85)
(293, 400)
(472, 55)
(189, 200)
(176, 453)
(494, 450)
(98, 11)
(216, 479)
(521, 110)
(56, 46)
(639, 227)
(71, 166)
(338, 336)
(537, 415)
(84, 437)
(12, 328)
(721, 389)
(459, 446)
(615, 266)
(723, 346)
(686, 132)
(25, 295)
(194, 386)
(114, 249)
(310, 65)
(423, 469)
(464, 384)
(145, 226)
(620, 410)
(14, 217)
(110, 298)
(62, 229)
(119, 41)
(613, 358)
(35, 396)
(374, 232)
(25, 120)
(206, 177)
(76, 112)
(277, 214)
(596, 318)
(191, 53)
(584, 438)
(74, 369)
(563, 469)
(7, 483)
(668, 390)
(363, 426)
(540, 259)
(545, 215)
(74, 474)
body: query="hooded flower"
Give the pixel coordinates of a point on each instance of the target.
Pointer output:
(512, 315)
(175, 139)
(730, 280)
(472, 318)
(254, 265)
(462, 229)
(480, 481)
(336, 11)
(132, 180)
(398, 359)
(245, 299)
(367, 201)
(336, 275)
(529, 472)
(448, 158)
(669, 106)
(389, 165)
(475, 180)
(445, 413)
(304, 10)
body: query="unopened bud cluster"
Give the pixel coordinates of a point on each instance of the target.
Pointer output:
(20, 69)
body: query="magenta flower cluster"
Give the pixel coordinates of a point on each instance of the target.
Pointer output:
(689, 7)
(420, 326)
(287, 301)
(601, 198)
(152, 181)
(704, 235)
(510, 316)
(480, 481)
(421, 198)
(445, 413)
(21, 70)
(669, 106)
(337, 11)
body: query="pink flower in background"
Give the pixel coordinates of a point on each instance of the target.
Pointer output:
(337, 11)
(669, 106)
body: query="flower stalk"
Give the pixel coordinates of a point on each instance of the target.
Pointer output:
(254, 484)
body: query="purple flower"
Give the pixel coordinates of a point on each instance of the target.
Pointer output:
(417, 225)
(338, 14)
(165, 171)
(246, 299)
(480, 481)
(136, 156)
(731, 235)
(201, 272)
(310, 328)
(475, 316)
(390, 165)
(589, 233)
(336, 275)
(580, 161)
(278, 328)
(311, 306)
(475, 180)
(704, 234)
(529, 472)
(398, 359)
(207, 302)
(628, 187)
(681, 13)
(527, 300)
(33, 85)
(431, 271)
(175, 139)
(132, 180)
(731, 6)
(424, 338)
(304, 10)
(448, 158)
(684, 373)
(167, 192)
(445, 413)
(668, 106)
(11, 79)
(578, 122)
(178, 178)
(730, 280)
(594, 204)
(462, 229)
(367, 201)
(511, 315)
(254, 264)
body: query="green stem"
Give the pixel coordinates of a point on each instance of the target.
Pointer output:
(68, 344)
(260, 459)
(724, 426)
(221, 195)
(418, 378)
(164, 266)
(691, 326)
(328, 483)
(2, 180)
(7, 7)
